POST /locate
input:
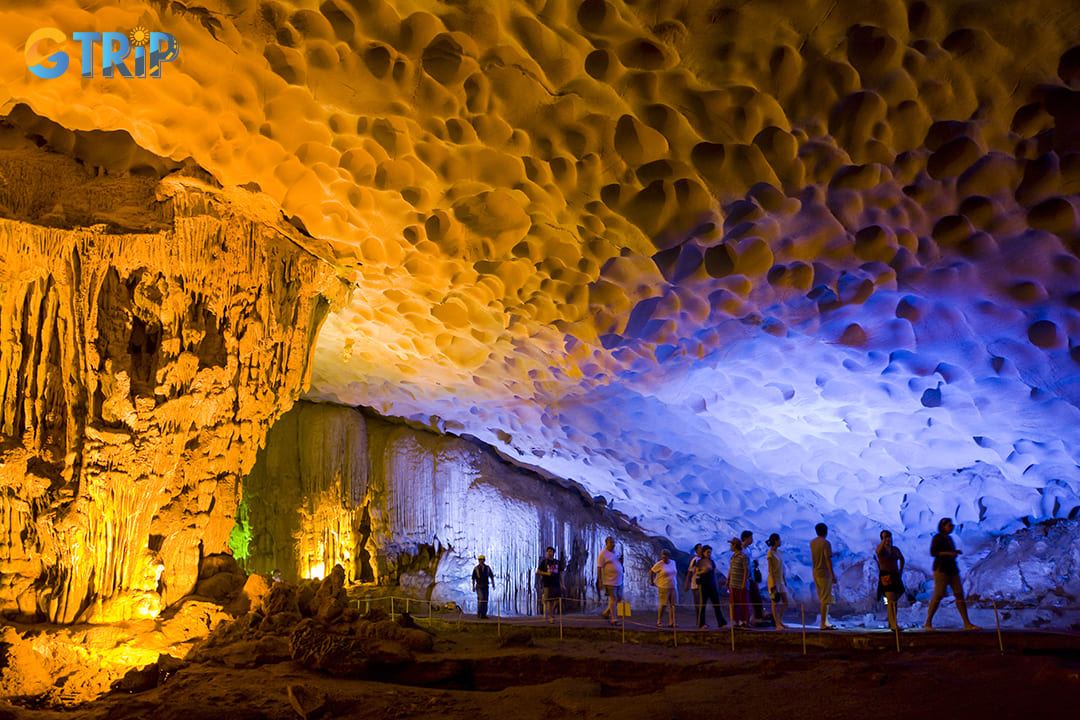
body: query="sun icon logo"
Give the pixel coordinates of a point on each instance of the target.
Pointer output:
(139, 36)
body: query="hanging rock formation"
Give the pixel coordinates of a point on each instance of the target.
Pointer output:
(152, 331)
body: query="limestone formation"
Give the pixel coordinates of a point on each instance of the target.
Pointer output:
(141, 366)
(725, 264)
(398, 506)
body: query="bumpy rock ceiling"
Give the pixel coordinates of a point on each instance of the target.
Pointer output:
(724, 263)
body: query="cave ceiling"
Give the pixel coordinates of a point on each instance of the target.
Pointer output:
(722, 263)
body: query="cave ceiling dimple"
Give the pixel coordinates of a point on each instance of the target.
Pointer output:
(722, 263)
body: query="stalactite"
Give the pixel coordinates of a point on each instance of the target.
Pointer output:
(138, 374)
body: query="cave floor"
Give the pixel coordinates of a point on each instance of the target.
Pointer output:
(522, 669)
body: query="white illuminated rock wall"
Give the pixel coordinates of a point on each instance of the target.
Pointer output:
(400, 506)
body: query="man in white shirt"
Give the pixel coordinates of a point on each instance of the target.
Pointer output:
(609, 575)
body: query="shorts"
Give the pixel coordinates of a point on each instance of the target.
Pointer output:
(824, 583)
(614, 591)
(667, 596)
(889, 582)
(942, 581)
(551, 594)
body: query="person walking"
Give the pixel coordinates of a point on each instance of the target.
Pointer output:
(890, 563)
(946, 575)
(691, 582)
(753, 577)
(481, 577)
(710, 590)
(738, 576)
(824, 575)
(777, 584)
(609, 575)
(551, 583)
(663, 575)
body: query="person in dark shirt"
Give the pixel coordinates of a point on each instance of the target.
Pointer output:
(753, 577)
(946, 575)
(890, 569)
(710, 590)
(481, 576)
(551, 582)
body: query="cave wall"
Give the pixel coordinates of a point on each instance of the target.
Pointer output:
(151, 330)
(402, 506)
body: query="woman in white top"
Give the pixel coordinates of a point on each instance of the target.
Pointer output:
(776, 584)
(663, 575)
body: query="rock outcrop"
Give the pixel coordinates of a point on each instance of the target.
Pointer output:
(140, 367)
(401, 506)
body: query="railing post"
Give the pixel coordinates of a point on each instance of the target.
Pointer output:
(802, 606)
(560, 618)
(997, 621)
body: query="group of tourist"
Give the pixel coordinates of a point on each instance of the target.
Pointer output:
(743, 583)
(745, 604)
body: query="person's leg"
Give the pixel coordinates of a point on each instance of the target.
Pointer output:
(481, 602)
(697, 605)
(709, 595)
(823, 604)
(783, 609)
(720, 621)
(671, 607)
(777, 611)
(755, 600)
(961, 602)
(940, 583)
(823, 584)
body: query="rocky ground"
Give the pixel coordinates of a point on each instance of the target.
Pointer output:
(300, 652)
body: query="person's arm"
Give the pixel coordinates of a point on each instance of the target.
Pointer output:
(937, 550)
(540, 570)
(828, 556)
(652, 575)
(899, 560)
